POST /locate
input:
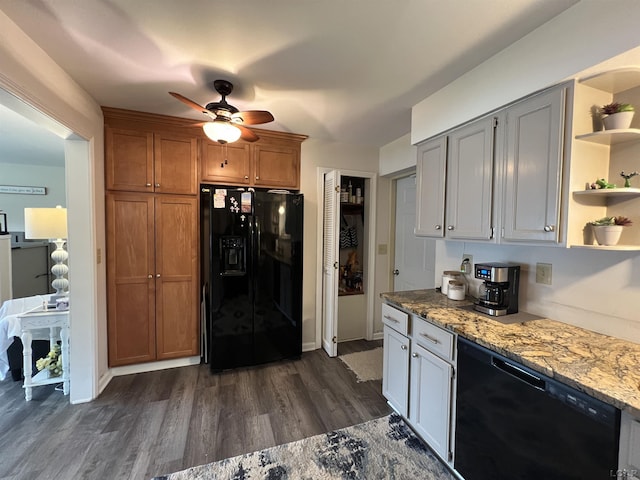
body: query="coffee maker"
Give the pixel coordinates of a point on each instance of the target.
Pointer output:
(499, 292)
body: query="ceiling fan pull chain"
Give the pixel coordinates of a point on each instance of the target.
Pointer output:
(224, 154)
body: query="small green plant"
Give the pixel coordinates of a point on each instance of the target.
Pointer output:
(616, 107)
(607, 221)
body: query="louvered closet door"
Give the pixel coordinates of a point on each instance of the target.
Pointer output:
(329, 264)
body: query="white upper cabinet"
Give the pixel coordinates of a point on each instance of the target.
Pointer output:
(469, 181)
(533, 168)
(504, 175)
(430, 177)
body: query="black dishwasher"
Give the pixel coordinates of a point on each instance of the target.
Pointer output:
(514, 423)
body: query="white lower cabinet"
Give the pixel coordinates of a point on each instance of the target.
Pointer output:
(417, 379)
(629, 459)
(430, 402)
(395, 370)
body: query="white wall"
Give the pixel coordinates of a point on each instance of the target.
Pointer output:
(51, 177)
(32, 84)
(584, 35)
(593, 289)
(317, 154)
(397, 156)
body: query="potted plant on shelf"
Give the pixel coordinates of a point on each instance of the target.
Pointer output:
(607, 230)
(617, 115)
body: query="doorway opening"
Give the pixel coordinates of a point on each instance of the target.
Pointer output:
(346, 286)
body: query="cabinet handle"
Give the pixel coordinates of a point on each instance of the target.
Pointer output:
(257, 178)
(147, 185)
(396, 272)
(388, 317)
(157, 185)
(414, 355)
(157, 275)
(438, 227)
(450, 227)
(149, 276)
(403, 347)
(335, 265)
(430, 338)
(246, 177)
(549, 228)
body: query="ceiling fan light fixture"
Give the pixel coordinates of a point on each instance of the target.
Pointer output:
(221, 132)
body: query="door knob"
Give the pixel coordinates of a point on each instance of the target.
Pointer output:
(396, 272)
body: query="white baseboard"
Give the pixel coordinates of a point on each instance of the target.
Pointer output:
(309, 347)
(153, 366)
(378, 336)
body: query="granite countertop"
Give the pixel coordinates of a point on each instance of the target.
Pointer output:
(604, 367)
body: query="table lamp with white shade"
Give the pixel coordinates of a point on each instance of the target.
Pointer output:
(51, 224)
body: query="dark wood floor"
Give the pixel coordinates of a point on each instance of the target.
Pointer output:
(155, 423)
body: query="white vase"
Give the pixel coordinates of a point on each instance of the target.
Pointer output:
(607, 234)
(617, 121)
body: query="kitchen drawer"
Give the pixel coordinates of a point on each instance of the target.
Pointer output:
(432, 337)
(394, 318)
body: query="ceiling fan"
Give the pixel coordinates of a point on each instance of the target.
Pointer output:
(227, 122)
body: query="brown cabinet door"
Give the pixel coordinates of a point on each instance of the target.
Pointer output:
(130, 278)
(176, 276)
(226, 164)
(175, 164)
(129, 160)
(276, 166)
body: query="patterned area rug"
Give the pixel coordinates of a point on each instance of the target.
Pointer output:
(367, 365)
(385, 448)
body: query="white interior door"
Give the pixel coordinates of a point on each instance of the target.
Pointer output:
(414, 256)
(330, 263)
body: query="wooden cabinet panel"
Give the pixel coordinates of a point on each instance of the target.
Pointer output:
(129, 160)
(176, 276)
(176, 164)
(276, 166)
(225, 164)
(152, 276)
(130, 262)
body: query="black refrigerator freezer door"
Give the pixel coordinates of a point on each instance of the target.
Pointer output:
(278, 276)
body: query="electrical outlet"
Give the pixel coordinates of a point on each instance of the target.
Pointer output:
(543, 273)
(466, 267)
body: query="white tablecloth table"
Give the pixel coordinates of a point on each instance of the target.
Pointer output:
(10, 324)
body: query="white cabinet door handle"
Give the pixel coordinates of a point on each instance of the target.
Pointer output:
(414, 355)
(430, 338)
(391, 319)
(549, 228)
(403, 347)
(438, 227)
(450, 227)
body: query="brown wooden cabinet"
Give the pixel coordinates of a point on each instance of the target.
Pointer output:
(271, 162)
(143, 161)
(152, 277)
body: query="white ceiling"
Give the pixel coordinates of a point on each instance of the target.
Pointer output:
(338, 70)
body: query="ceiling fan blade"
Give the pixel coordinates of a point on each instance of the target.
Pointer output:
(253, 117)
(246, 134)
(190, 103)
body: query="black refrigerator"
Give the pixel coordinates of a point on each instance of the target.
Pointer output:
(251, 275)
